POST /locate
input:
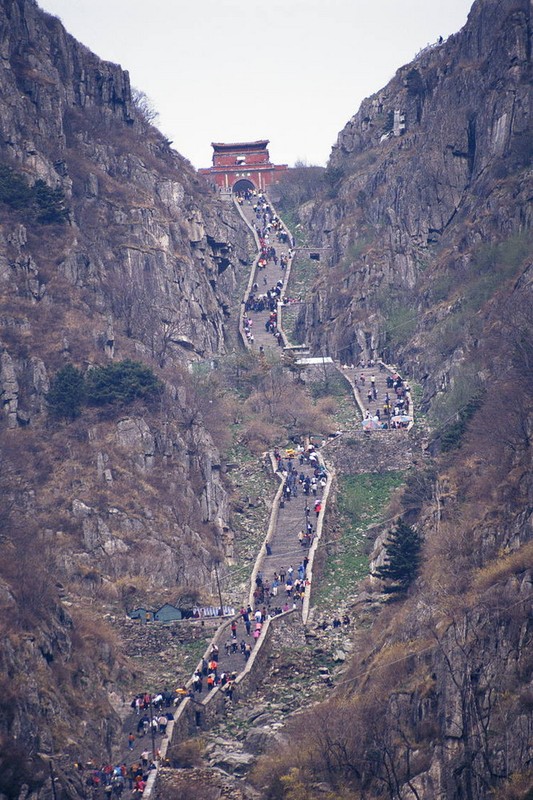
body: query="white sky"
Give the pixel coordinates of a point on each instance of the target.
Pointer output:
(292, 71)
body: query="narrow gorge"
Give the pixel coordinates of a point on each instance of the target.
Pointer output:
(158, 380)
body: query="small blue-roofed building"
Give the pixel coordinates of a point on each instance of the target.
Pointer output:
(168, 613)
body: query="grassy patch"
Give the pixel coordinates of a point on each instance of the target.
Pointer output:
(347, 416)
(417, 394)
(328, 382)
(189, 654)
(290, 218)
(362, 501)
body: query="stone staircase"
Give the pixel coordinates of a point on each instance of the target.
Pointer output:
(281, 547)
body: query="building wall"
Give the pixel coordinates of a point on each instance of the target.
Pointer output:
(232, 165)
(234, 158)
(261, 177)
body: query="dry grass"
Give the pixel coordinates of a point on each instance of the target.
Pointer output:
(504, 567)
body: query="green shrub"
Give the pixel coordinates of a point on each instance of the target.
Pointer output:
(122, 383)
(67, 392)
(119, 383)
(333, 177)
(49, 204)
(40, 202)
(14, 191)
(451, 436)
(402, 560)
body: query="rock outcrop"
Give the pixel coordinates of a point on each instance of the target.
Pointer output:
(425, 230)
(111, 248)
(430, 169)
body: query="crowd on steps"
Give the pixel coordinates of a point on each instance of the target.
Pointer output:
(276, 251)
(384, 394)
(281, 575)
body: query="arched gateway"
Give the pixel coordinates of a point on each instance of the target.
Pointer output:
(243, 162)
(243, 185)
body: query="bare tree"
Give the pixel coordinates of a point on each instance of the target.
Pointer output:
(144, 106)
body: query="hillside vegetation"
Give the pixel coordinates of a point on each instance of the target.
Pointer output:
(427, 242)
(134, 425)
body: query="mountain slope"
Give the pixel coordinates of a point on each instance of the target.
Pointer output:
(112, 250)
(426, 262)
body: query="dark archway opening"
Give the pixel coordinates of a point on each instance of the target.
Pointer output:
(243, 186)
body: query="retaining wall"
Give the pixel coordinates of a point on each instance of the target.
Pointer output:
(194, 715)
(318, 535)
(372, 451)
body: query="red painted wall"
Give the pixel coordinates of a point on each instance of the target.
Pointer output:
(239, 163)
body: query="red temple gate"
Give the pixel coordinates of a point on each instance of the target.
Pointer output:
(243, 165)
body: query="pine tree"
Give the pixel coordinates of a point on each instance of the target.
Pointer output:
(121, 382)
(402, 560)
(66, 393)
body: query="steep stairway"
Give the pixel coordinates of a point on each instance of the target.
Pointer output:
(284, 549)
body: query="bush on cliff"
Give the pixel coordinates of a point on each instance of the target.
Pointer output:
(402, 560)
(121, 383)
(39, 202)
(67, 392)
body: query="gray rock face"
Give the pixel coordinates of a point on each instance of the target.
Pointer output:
(234, 763)
(9, 389)
(405, 207)
(156, 249)
(261, 739)
(135, 436)
(145, 267)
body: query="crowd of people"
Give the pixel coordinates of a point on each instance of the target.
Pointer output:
(283, 588)
(392, 409)
(267, 224)
(210, 672)
(284, 582)
(114, 781)
(294, 479)
(244, 633)
(269, 228)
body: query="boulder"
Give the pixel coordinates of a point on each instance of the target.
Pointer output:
(234, 763)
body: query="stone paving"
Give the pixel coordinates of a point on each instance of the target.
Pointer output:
(265, 278)
(285, 550)
(360, 379)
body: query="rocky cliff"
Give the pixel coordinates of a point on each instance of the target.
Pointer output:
(112, 250)
(430, 172)
(425, 225)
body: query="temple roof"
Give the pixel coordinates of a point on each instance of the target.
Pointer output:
(260, 144)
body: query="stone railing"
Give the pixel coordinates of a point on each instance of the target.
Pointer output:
(270, 530)
(355, 391)
(193, 715)
(318, 535)
(253, 274)
(357, 397)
